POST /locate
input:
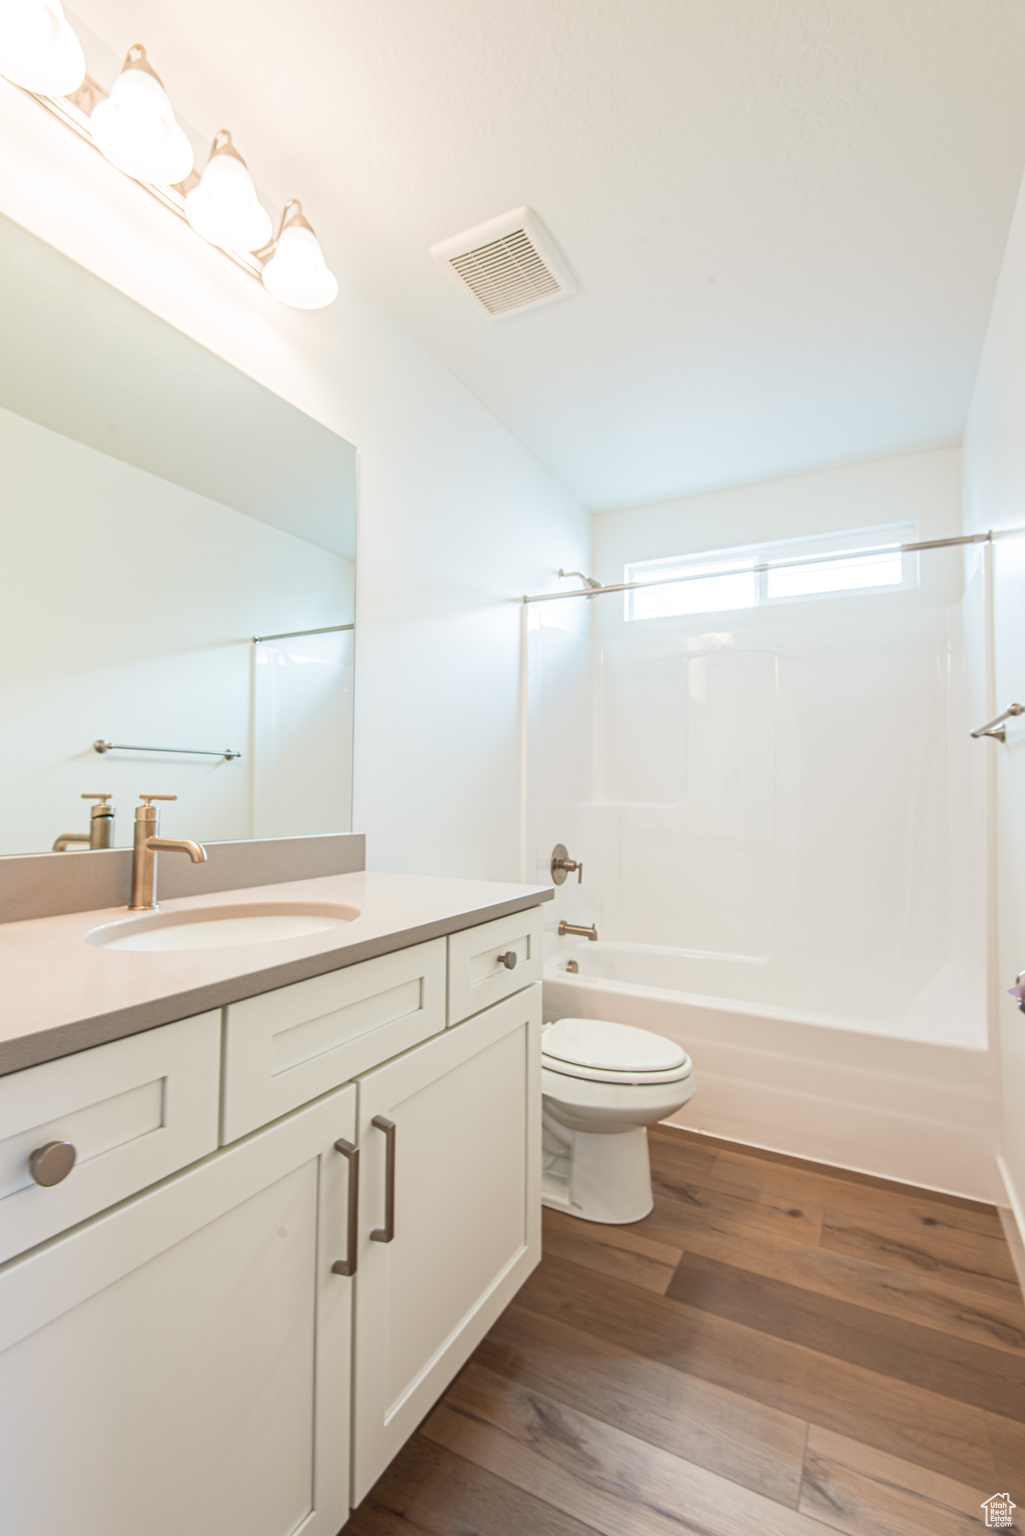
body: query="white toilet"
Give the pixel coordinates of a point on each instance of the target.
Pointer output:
(602, 1084)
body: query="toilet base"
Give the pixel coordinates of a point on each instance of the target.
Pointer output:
(603, 1178)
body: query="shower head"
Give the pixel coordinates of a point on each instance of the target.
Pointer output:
(588, 580)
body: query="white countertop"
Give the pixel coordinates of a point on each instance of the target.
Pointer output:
(60, 994)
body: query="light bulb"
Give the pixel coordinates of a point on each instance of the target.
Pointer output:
(38, 49)
(224, 208)
(297, 273)
(135, 127)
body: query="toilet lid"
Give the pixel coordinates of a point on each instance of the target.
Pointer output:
(597, 1043)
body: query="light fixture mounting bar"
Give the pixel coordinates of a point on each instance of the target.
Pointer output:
(73, 111)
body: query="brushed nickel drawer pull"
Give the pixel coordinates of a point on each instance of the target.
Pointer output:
(347, 1266)
(52, 1163)
(508, 959)
(387, 1232)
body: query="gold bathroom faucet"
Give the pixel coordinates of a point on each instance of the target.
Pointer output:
(145, 849)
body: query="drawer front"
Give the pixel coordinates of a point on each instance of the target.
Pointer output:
(287, 1047)
(477, 977)
(134, 1110)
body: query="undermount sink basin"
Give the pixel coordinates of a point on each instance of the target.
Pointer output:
(256, 922)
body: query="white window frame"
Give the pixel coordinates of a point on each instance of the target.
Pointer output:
(753, 558)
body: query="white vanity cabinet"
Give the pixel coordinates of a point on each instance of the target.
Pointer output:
(182, 1364)
(243, 1346)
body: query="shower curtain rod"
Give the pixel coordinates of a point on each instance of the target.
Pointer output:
(769, 565)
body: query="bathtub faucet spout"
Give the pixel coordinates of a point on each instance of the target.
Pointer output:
(584, 933)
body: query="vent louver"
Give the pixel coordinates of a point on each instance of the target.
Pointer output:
(507, 265)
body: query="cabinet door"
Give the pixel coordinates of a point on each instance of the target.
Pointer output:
(467, 1215)
(183, 1363)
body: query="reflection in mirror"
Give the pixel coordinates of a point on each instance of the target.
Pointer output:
(160, 509)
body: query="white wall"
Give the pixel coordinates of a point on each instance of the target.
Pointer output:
(456, 518)
(994, 495)
(923, 487)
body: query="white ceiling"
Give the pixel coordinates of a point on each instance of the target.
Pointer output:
(786, 217)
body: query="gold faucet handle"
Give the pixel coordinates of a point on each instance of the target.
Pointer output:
(103, 799)
(147, 799)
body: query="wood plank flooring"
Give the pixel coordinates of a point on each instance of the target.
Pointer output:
(780, 1349)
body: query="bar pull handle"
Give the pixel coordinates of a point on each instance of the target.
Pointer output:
(347, 1266)
(386, 1233)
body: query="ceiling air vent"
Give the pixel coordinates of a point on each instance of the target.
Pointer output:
(507, 265)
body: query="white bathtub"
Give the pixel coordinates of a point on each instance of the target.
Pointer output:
(898, 1002)
(842, 1088)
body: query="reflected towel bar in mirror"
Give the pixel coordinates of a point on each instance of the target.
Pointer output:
(119, 746)
(289, 634)
(996, 728)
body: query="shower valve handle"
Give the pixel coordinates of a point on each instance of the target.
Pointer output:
(562, 865)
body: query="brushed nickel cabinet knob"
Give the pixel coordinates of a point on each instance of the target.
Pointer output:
(52, 1163)
(508, 959)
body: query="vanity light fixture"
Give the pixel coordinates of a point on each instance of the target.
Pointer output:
(38, 49)
(224, 207)
(296, 272)
(135, 126)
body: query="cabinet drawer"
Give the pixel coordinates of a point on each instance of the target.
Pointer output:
(477, 977)
(287, 1047)
(134, 1110)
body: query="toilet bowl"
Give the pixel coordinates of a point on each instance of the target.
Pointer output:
(602, 1084)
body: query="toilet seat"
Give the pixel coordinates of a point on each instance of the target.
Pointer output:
(600, 1051)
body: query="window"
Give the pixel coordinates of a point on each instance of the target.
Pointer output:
(759, 575)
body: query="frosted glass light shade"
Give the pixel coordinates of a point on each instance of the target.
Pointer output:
(224, 208)
(297, 273)
(135, 127)
(38, 49)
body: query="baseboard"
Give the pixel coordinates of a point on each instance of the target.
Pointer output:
(1012, 1219)
(925, 1151)
(809, 1165)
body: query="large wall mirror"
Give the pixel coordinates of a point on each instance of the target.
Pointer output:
(160, 510)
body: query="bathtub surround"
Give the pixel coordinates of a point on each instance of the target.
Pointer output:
(994, 497)
(781, 804)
